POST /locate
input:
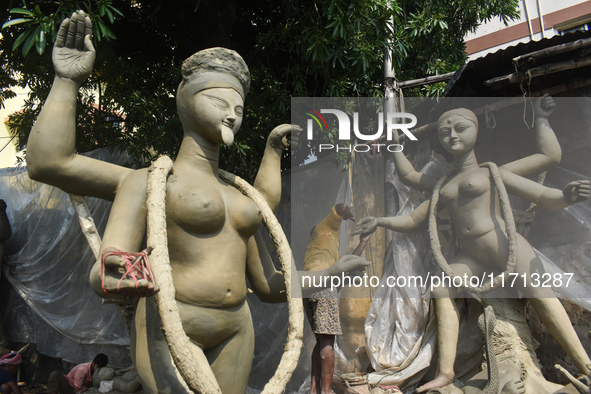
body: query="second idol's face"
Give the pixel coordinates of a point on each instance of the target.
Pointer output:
(457, 134)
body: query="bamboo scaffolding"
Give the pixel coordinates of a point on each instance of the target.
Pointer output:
(554, 90)
(554, 50)
(539, 71)
(426, 81)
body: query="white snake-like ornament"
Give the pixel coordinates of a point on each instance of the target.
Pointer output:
(187, 365)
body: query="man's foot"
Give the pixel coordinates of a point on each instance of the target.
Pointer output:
(438, 382)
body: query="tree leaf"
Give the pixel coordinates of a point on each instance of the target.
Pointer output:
(30, 41)
(110, 15)
(20, 39)
(21, 11)
(105, 31)
(40, 42)
(17, 21)
(95, 32)
(115, 10)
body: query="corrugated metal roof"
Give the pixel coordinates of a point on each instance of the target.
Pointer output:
(469, 80)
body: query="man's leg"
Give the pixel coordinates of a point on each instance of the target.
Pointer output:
(326, 347)
(58, 384)
(316, 371)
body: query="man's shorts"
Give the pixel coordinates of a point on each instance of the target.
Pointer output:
(322, 309)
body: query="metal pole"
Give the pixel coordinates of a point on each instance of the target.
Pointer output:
(390, 106)
(541, 13)
(528, 17)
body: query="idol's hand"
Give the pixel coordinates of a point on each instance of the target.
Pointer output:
(284, 136)
(577, 191)
(544, 106)
(73, 53)
(366, 226)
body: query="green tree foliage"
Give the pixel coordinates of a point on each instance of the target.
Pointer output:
(293, 48)
(40, 26)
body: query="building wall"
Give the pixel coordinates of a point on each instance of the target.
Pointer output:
(539, 19)
(8, 153)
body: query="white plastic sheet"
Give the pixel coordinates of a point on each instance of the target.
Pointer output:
(47, 260)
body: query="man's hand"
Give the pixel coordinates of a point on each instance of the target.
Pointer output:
(354, 265)
(73, 54)
(576, 191)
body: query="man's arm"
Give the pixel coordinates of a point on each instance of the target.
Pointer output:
(14, 387)
(79, 375)
(5, 229)
(313, 281)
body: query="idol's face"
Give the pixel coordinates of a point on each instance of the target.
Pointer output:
(218, 113)
(215, 114)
